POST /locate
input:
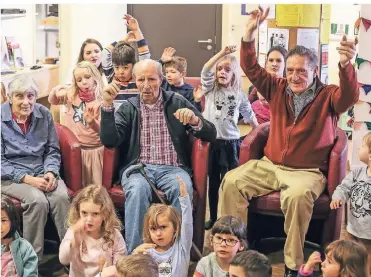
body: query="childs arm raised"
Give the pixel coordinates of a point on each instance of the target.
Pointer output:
(186, 230)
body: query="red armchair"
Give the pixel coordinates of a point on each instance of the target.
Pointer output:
(325, 224)
(200, 156)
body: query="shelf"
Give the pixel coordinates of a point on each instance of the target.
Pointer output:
(48, 28)
(10, 16)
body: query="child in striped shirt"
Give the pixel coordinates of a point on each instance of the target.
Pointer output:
(119, 58)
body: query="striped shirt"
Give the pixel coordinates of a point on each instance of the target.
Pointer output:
(129, 88)
(156, 145)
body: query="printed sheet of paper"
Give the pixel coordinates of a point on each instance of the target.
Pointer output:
(278, 37)
(326, 11)
(324, 74)
(308, 38)
(287, 15)
(263, 38)
(298, 15)
(325, 31)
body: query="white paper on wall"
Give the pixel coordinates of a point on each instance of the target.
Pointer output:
(362, 111)
(364, 72)
(324, 74)
(278, 37)
(261, 60)
(357, 136)
(308, 38)
(263, 38)
(363, 96)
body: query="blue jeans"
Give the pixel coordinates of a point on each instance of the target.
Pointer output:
(138, 195)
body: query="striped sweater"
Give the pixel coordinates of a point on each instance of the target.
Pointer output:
(127, 89)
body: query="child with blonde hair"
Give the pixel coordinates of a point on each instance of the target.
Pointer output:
(93, 242)
(168, 236)
(228, 237)
(342, 259)
(83, 117)
(356, 187)
(224, 101)
(137, 265)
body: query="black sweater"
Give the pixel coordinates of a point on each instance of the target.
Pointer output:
(121, 129)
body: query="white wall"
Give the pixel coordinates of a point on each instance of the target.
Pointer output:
(78, 22)
(23, 29)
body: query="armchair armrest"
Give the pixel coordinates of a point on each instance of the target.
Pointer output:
(110, 159)
(71, 157)
(253, 145)
(200, 161)
(337, 162)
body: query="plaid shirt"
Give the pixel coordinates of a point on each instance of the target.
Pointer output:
(156, 145)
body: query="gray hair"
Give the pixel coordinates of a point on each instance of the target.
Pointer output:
(147, 62)
(22, 83)
(304, 52)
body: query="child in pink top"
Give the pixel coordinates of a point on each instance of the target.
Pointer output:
(93, 242)
(83, 117)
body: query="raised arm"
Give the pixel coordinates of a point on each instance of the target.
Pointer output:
(186, 232)
(264, 82)
(58, 95)
(133, 25)
(347, 94)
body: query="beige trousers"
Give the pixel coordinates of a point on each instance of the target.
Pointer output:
(299, 189)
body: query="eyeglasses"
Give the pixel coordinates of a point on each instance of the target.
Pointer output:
(228, 242)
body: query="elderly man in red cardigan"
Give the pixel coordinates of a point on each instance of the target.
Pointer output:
(304, 118)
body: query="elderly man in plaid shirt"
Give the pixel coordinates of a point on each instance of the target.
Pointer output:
(152, 128)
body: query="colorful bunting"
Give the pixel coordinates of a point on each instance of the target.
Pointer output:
(366, 88)
(359, 61)
(365, 22)
(368, 124)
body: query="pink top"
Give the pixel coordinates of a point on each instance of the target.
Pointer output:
(261, 111)
(87, 265)
(87, 135)
(7, 265)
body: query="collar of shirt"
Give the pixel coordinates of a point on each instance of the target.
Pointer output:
(309, 92)
(151, 106)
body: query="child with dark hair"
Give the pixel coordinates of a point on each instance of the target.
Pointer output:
(118, 60)
(18, 258)
(175, 71)
(250, 264)
(228, 236)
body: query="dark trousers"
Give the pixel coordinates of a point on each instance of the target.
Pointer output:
(222, 158)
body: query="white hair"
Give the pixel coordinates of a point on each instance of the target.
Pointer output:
(147, 62)
(22, 83)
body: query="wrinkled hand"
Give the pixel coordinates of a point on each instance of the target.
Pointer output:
(347, 50)
(90, 115)
(52, 181)
(197, 94)
(256, 16)
(182, 187)
(229, 49)
(187, 116)
(314, 259)
(131, 22)
(110, 92)
(335, 204)
(168, 54)
(78, 230)
(143, 248)
(130, 36)
(37, 182)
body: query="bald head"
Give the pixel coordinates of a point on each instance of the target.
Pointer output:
(145, 64)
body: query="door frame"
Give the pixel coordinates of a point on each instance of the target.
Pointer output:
(218, 23)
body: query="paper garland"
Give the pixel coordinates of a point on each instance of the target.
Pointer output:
(366, 88)
(365, 22)
(360, 61)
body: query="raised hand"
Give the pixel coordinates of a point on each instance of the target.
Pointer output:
(197, 94)
(229, 49)
(335, 204)
(347, 50)
(187, 116)
(89, 115)
(131, 22)
(168, 54)
(130, 36)
(110, 92)
(78, 230)
(313, 259)
(182, 187)
(143, 248)
(255, 16)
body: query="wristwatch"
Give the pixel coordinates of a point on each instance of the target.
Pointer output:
(108, 108)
